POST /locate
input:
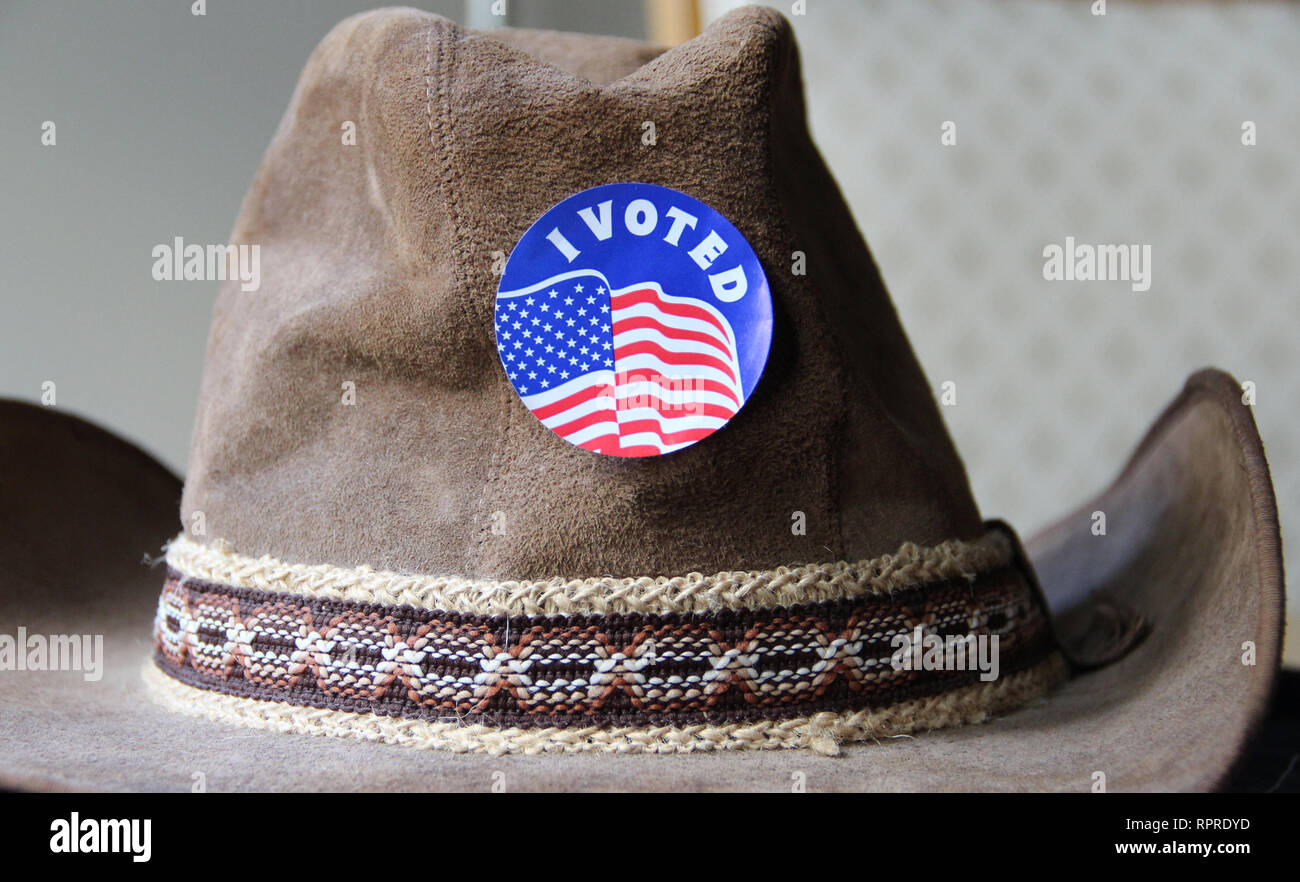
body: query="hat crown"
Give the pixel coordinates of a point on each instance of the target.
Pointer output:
(354, 411)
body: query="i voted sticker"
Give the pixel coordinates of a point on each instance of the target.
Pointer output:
(633, 320)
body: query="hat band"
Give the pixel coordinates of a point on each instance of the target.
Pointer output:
(804, 656)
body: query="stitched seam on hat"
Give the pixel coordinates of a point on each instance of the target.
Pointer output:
(821, 732)
(442, 65)
(831, 464)
(441, 132)
(911, 565)
(462, 255)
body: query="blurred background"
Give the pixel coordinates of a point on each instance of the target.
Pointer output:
(1122, 128)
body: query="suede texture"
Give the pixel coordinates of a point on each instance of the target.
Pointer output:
(1193, 548)
(378, 269)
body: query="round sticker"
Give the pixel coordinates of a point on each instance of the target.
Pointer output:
(633, 320)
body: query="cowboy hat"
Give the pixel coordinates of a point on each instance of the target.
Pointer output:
(393, 539)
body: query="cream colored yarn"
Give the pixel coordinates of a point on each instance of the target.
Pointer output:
(822, 732)
(694, 592)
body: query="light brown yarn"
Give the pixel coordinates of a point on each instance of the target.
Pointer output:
(694, 592)
(822, 732)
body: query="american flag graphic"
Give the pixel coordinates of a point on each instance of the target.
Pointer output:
(629, 372)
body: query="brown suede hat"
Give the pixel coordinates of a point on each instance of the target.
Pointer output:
(392, 576)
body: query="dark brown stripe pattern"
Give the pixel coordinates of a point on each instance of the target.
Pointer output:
(615, 670)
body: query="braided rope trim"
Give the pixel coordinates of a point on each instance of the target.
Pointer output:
(756, 589)
(822, 732)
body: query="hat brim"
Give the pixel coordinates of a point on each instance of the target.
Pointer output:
(1191, 546)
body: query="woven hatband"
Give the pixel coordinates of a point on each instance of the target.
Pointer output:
(803, 656)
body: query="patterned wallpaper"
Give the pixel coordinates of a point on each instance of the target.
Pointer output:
(1125, 128)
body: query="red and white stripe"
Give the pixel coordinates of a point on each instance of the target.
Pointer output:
(678, 372)
(676, 378)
